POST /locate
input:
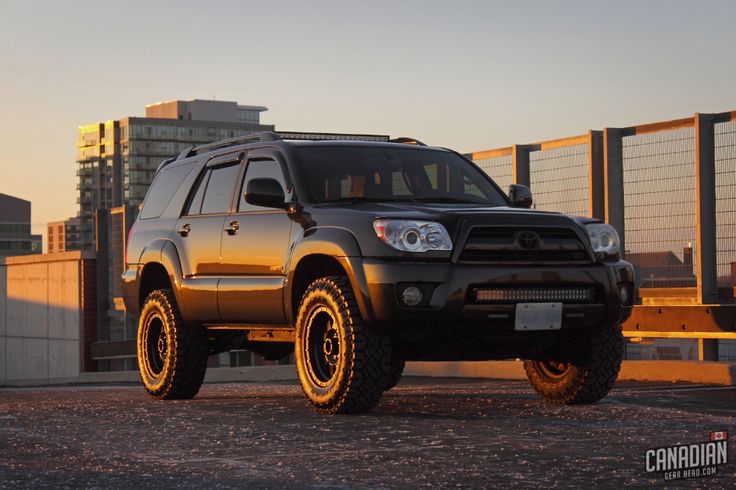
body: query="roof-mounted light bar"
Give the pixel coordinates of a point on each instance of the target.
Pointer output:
(304, 136)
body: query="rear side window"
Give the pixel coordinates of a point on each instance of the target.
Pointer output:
(219, 189)
(164, 187)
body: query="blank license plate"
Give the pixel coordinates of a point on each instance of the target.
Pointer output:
(538, 316)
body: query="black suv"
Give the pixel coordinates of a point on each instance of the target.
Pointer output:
(359, 253)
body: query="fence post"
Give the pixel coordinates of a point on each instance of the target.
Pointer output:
(705, 196)
(596, 181)
(613, 176)
(520, 155)
(705, 199)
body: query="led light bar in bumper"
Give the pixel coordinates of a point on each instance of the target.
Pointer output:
(532, 295)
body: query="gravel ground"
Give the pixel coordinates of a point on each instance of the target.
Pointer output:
(425, 433)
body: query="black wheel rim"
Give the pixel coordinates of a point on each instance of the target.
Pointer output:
(322, 346)
(552, 369)
(156, 343)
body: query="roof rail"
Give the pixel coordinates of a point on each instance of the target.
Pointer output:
(407, 141)
(238, 140)
(166, 162)
(277, 136)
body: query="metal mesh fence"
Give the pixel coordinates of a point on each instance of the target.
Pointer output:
(500, 169)
(727, 350)
(654, 349)
(659, 209)
(725, 156)
(645, 349)
(559, 179)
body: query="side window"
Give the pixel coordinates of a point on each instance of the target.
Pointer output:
(260, 169)
(164, 187)
(195, 205)
(219, 189)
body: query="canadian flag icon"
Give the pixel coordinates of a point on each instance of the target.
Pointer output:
(719, 436)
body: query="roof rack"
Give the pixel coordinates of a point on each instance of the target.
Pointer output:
(286, 135)
(407, 141)
(166, 162)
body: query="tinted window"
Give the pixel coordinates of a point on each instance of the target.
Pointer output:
(195, 205)
(162, 190)
(219, 189)
(395, 174)
(261, 169)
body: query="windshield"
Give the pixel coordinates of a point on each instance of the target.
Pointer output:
(355, 173)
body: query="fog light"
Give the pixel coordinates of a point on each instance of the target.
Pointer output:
(412, 296)
(624, 295)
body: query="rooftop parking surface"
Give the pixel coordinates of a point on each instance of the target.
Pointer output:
(424, 433)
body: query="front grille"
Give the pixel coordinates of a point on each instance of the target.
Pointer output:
(534, 295)
(504, 244)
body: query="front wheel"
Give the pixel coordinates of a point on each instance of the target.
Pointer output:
(172, 356)
(342, 364)
(396, 369)
(580, 382)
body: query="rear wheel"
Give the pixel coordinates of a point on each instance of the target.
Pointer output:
(172, 356)
(585, 381)
(342, 364)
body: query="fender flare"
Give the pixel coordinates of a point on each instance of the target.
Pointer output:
(337, 243)
(162, 251)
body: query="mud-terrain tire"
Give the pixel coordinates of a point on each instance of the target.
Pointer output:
(396, 369)
(580, 382)
(342, 364)
(172, 355)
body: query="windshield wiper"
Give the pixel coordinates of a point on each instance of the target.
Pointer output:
(356, 199)
(431, 199)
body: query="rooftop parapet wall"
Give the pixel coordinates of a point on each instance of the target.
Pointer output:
(43, 319)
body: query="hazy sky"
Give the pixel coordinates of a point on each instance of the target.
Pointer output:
(469, 75)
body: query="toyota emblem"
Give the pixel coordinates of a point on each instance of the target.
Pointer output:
(528, 240)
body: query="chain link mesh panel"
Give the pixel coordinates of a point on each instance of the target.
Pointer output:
(725, 156)
(500, 169)
(659, 209)
(559, 179)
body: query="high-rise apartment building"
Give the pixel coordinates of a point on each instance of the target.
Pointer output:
(15, 228)
(117, 159)
(62, 236)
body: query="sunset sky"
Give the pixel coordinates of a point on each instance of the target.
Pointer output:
(469, 75)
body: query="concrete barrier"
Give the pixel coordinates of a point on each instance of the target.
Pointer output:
(41, 320)
(715, 373)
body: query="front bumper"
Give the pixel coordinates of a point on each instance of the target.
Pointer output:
(451, 303)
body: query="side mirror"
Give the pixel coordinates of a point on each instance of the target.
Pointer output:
(521, 196)
(266, 192)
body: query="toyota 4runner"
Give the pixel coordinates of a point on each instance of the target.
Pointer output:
(358, 254)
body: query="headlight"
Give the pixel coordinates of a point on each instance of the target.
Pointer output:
(604, 240)
(413, 236)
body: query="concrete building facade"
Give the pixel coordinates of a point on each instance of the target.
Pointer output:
(62, 236)
(15, 228)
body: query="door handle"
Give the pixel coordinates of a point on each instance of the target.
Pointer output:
(232, 228)
(185, 229)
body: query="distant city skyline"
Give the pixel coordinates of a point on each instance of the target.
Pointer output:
(472, 76)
